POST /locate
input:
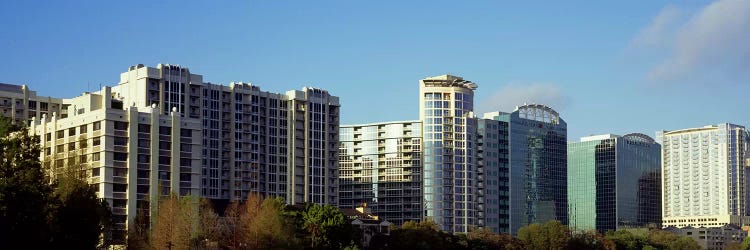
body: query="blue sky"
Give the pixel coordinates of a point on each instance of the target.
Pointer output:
(606, 67)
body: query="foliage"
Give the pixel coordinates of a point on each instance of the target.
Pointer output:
(25, 193)
(328, 228)
(550, 235)
(38, 213)
(175, 224)
(423, 235)
(259, 224)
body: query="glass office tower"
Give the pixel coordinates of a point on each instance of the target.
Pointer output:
(449, 129)
(538, 165)
(614, 182)
(380, 164)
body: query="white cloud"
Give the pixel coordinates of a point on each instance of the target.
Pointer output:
(512, 95)
(715, 40)
(660, 30)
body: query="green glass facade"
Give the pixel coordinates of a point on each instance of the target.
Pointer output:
(614, 182)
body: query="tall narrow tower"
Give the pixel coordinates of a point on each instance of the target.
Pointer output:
(446, 109)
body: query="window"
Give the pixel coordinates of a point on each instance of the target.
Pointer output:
(95, 156)
(48, 151)
(84, 158)
(165, 130)
(83, 129)
(71, 131)
(95, 171)
(121, 125)
(121, 141)
(119, 156)
(97, 126)
(186, 132)
(97, 141)
(144, 128)
(71, 146)
(164, 160)
(60, 148)
(60, 134)
(48, 137)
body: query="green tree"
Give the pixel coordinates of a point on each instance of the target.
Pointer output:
(25, 192)
(484, 238)
(627, 240)
(590, 240)
(667, 240)
(746, 243)
(80, 219)
(327, 227)
(423, 235)
(550, 235)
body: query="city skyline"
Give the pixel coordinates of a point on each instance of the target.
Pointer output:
(603, 81)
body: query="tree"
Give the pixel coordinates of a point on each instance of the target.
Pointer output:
(24, 190)
(590, 240)
(423, 235)
(81, 220)
(746, 243)
(175, 224)
(550, 235)
(667, 240)
(484, 238)
(327, 227)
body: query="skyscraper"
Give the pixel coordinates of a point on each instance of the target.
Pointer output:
(449, 130)
(704, 180)
(380, 164)
(537, 163)
(614, 182)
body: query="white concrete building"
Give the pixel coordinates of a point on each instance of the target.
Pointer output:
(131, 154)
(704, 176)
(20, 104)
(163, 130)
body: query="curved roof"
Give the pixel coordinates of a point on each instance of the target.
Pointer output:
(538, 112)
(639, 137)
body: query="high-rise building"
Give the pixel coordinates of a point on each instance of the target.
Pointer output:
(614, 182)
(380, 165)
(493, 174)
(132, 155)
(256, 142)
(163, 130)
(19, 104)
(449, 131)
(537, 165)
(704, 181)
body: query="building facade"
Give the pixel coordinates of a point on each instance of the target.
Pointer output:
(380, 166)
(493, 182)
(163, 130)
(704, 180)
(614, 182)
(132, 155)
(272, 144)
(537, 165)
(449, 131)
(712, 238)
(20, 104)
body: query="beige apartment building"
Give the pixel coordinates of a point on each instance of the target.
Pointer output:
(20, 104)
(163, 130)
(704, 176)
